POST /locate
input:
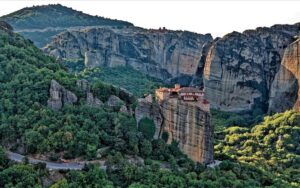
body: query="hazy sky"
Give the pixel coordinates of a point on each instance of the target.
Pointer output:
(216, 17)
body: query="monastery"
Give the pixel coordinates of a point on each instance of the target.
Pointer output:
(186, 94)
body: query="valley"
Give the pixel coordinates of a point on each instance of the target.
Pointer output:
(157, 107)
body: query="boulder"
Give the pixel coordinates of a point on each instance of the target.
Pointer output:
(114, 101)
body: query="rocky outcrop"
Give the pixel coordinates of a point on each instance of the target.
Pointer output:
(83, 85)
(5, 26)
(59, 96)
(285, 91)
(91, 100)
(114, 101)
(191, 127)
(162, 54)
(146, 108)
(240, 67)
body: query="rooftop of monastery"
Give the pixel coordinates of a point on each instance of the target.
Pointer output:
(192, 95)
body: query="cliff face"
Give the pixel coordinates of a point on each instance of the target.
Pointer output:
(240, 67)
(162, 54)
(146, 108)
(285, 91)
(190, 127)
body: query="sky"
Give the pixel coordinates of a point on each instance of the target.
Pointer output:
(217, 17)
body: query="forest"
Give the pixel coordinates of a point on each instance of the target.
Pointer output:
(265, 154)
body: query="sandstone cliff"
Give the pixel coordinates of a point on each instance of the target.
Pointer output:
(162, 54)
(184, 122)
(190, 126)
(240, 67)
(285, 93)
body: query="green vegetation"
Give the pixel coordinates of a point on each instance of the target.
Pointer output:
(40, 38)
(272, 145)
(147, 127)
(222, 120)
(75, 131)
(126, 77)
(41, 17)
(120, 173)
(266, 155)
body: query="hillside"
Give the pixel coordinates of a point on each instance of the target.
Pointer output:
(81, 131)
(40, 17)
(40, 23)
(272, 145)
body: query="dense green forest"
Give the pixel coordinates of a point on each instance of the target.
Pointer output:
(249, 159)
(272, 145)
(265, 155)
(76, 131)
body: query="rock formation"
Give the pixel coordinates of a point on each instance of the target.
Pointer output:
(285, 91)
(240, 67)
(147, 109)
(187, 122)
(5, 26)
(91, 100)
(114, 101)
(83, 85)
(59, 96)
(162, 54)
(190, 126)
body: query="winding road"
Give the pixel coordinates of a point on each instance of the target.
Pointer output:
(73, 165)
(50, 165)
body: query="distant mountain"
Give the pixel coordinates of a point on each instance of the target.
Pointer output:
(40, 23)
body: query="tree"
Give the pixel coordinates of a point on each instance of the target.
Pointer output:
(146, 148)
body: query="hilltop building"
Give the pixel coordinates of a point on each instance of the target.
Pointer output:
(186, 94)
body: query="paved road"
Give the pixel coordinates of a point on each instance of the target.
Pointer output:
(74, 166)
(50, 165)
